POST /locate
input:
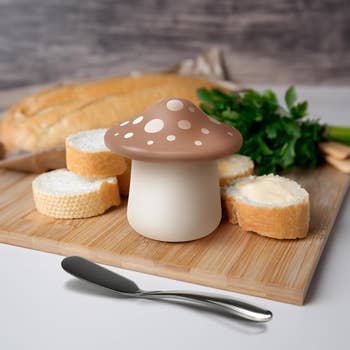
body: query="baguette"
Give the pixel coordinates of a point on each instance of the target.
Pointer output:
(87, 155)
(233, 167)
(269, 205)
(45, 119)
(89, 91)
(65, 195)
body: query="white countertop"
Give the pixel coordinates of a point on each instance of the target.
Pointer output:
(42, 307)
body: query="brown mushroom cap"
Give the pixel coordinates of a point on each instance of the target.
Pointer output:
(173, 129)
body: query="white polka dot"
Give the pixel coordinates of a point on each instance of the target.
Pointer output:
(214, 120)
(205, 131)
(171, 137)
(174, 105)
(150, 142)
(116, 134)
(124, 123)
(198, 143)
(229, 133)
(138, 120)
(128, 135)
(191, 109)
(154, 125)
(184, 124)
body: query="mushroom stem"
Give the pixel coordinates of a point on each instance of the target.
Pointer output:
(174, 201)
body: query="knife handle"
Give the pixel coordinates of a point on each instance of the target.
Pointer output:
(220, 303)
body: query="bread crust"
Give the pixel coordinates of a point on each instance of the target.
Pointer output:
(45, 119)
(229, 209)
(78, 205)
(288, 222)
(94, 164)
(225, 180)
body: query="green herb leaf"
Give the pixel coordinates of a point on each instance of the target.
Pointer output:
(274, 138)
(287, 154)
(271, 130)
(290, 97)
(231, 115)
(299, 111)
(205, 95)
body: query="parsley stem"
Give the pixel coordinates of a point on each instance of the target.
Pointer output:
(338, 133)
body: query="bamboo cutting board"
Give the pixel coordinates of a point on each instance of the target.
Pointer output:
(229, 258)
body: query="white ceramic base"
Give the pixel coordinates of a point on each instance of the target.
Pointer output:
(174, 201)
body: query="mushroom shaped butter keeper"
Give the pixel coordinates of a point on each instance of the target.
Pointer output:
(174, 187)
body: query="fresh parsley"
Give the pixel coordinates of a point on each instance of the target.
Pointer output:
(276, 138)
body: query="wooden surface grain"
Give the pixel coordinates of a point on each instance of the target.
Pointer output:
(275, 41)
(229, 258)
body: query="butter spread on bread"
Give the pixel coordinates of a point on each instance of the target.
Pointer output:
(270, 205)
(266, 190)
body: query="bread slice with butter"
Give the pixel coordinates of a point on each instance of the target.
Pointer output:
(87, 155)
(269, 205)
(65, 195)
(233, 167)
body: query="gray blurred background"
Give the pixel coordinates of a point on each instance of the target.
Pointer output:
(274, 41)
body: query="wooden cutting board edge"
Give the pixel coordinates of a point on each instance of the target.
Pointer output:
(290, 295)
(321, 251)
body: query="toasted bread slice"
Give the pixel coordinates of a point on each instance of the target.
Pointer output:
(63, 194)
(233, 167)
(87, 155)
(270, 205)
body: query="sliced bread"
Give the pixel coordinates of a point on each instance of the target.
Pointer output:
(233, 167)
(87, 155)
(63, 194)
(270, 205)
